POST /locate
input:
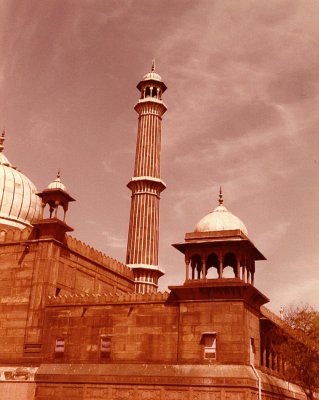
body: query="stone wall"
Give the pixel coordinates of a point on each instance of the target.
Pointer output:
(148, 328)
(31, 270)
(158, 382)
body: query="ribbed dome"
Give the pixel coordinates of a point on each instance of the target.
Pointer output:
(57, 184)
(220, 220)
(152, 75)
(19, 204)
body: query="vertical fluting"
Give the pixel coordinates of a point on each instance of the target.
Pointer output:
(146, 186)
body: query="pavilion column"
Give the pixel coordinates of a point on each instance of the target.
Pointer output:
(238, 268)
(187, 270)
(204, 268)
(220, 269)
(253, 272)
(248, 274)
(243, 276)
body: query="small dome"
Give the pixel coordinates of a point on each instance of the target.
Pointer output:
(57, 184)
(220, 220)
(152, 75)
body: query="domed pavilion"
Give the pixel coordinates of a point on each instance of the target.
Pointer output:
(219, 253)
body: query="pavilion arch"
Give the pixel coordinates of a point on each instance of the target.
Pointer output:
(148, 92)
(230, 260)
(212, 266)
(3, 235)
(196, 266)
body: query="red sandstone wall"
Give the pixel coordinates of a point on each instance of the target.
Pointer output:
(224, 318)
(17, 390)
(139, 332)
(150, 331)
(16, 266)
(30, 271)
(252, 330)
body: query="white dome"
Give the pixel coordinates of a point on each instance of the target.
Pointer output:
(152, 76)
(220, 220)
(57, 184)
(19, 204)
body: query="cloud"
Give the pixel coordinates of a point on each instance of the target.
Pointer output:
(114, 241)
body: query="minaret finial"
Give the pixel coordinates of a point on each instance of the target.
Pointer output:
(58, 175)
(153, 65)
(2, 137)
(221, 199)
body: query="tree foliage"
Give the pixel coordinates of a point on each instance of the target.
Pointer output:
(300, 347)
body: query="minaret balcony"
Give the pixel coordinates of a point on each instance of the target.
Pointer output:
(145, 184)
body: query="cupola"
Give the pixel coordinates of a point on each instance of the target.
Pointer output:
(152, 86)
(54, 198)
(219, 259)
(219, 248)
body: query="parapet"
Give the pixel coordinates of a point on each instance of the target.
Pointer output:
(98, 257)
(107, 298)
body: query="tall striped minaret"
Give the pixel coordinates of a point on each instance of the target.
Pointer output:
(146, 186)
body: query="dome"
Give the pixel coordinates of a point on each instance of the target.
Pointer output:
(19, 204)
(57, 184)
(152, 75)
(220, 219)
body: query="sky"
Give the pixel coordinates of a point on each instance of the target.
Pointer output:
(242, 99)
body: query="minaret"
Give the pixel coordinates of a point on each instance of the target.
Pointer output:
(146, 186)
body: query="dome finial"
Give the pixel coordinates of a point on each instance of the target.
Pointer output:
(153, 65)
(2, 137)
(221, 199)
(58, 175)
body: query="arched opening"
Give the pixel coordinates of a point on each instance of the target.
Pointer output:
(212, 266)
(196, 266)
(229, 265)
(3, 236)
(148, 92)
(154, 92)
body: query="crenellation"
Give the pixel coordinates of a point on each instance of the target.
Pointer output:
(97, 256)
(103, 298)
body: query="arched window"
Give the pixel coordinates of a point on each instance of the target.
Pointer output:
(230, 260)
(196, 266)
(212, 266)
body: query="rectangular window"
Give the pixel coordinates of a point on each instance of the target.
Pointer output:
(59, 346)
(209, 341)
(105, 346)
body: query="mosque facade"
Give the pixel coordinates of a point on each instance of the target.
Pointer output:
(77, 324)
